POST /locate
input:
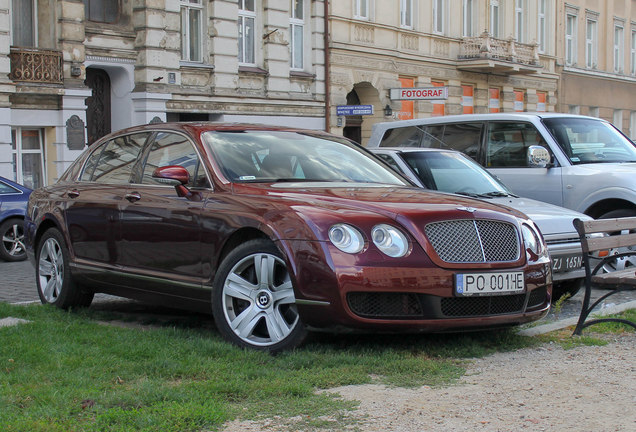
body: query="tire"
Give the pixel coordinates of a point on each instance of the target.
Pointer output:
(253, 299)
(12, 247)
(571, 287)
(618, 214)
(623, 262)
(53, 276)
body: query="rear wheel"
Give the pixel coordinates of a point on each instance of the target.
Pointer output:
(253, 299)
(53, 276)
(12, 246)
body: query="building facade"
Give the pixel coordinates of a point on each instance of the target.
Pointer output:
(74, 70)
(487, 55)
(596, 48)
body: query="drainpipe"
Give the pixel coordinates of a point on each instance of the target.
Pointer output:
(327, 80)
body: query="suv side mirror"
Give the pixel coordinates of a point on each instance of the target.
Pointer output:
(538, 157)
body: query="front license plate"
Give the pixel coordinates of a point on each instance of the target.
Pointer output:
(476, 284)
(566, 263)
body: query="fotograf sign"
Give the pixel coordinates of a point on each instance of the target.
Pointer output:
(351, 110)
(428, 93)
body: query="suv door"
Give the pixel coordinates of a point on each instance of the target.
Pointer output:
(161, 231)
(505, 155)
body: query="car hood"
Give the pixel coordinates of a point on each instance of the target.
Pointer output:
(551, 219)
(394, 202)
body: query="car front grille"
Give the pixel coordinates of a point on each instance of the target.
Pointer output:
(474, 241)
(412, 306)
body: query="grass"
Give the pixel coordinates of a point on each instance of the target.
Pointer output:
(64, 371)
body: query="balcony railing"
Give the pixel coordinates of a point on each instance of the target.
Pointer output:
(36, 65)
(487, 47)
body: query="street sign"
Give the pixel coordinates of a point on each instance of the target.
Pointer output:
(351, 110)
(428, 93)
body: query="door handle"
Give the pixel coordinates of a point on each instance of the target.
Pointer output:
(73, 193)
(132, 196)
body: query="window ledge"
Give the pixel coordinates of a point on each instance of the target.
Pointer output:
(301, 74)
(253, 70)
(195, 65)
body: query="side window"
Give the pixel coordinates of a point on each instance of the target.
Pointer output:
(409, 136)
(464, 137)
(117, 159)
(174, 149)
(6, 189)
(91, 163)
(507, 144)
(390, 161)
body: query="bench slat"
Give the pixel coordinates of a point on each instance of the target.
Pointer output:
(616, 241)
(606, 225)
(624, 277)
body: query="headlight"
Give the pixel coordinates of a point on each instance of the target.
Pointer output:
(346, 238)
(390, 240)
(532, 240)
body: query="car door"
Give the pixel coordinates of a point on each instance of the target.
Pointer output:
(92, 203)
(505, 156)
(161, 231)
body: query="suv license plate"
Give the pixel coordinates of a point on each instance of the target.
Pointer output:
(482, 284)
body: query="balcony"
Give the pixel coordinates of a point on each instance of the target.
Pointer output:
(34, 65)
(486, 54)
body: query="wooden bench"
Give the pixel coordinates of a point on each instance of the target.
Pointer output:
(615, 236)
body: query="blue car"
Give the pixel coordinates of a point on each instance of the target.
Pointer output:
(13, 204)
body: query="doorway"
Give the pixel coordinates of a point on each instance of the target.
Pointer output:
(98, 107)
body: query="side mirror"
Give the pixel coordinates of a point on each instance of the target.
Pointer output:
(538, 157)
(172, 175)
(177, 176)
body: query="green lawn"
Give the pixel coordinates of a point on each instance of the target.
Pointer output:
(64, 371)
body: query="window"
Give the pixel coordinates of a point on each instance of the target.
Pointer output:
(439, 16)
(191, 30)
(24, 28)
(439, 105)
(632, 54)
(570, 39)
(105, 11)
(619, 62)
(297, 31)
(247, 29)
(519, 104)
(469, 11)
(520, 28)
(541, 25)
(174, 149)
(618, 119)
(467, 99)
(507, 144)
(406, 13)
(361, 9)
(28, 157)
(591, 37)
(494, 100)
(541, 101)
(494, 18)
(117, 159)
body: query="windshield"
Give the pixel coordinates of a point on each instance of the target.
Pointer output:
(590, 141)
(273, 156)
(454, 173)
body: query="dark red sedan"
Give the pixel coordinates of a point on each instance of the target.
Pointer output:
(276, 232)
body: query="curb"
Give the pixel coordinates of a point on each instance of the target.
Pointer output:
(10, 321)
(558, 325)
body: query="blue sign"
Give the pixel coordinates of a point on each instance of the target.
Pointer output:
(351, 110)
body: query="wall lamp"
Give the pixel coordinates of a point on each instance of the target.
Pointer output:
(388, 112)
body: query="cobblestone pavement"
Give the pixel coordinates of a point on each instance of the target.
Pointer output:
(17, 285)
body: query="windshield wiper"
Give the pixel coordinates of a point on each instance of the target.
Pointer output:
(468, 194)
(495, 194)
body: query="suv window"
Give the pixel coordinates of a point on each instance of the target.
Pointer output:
(464, 137)
(507, 144)
(174, 149)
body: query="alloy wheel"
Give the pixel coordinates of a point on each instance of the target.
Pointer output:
(51, 270)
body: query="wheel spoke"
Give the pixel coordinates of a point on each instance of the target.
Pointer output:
(276, 326)
(238, 287)
(284, 295)
(46, 268)
(49, 290)
(245, 323)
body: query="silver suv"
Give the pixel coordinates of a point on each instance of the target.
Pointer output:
(582, 163)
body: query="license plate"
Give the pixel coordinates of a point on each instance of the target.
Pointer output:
(566, 263)
(476, 284)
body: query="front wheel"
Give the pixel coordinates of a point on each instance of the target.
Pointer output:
(53, 276)
(253, 299)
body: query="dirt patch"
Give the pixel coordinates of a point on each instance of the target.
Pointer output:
(539, 389)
